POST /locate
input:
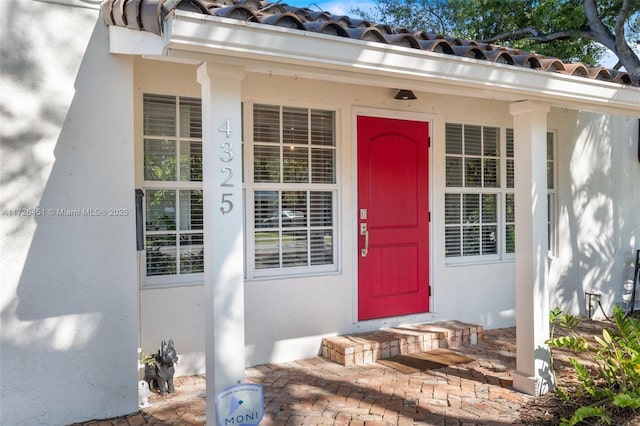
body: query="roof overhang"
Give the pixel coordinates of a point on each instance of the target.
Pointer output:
(195, 38)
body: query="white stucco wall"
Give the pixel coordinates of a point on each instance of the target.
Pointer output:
(598, 209)
(68, 264)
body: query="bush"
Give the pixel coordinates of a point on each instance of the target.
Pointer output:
(614, 381)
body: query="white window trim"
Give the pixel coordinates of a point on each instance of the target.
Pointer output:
(251, 273)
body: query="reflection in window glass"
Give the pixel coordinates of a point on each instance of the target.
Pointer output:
(267, 249)
(323, 128)
(191, 210)
(294, 248)
(510, 227)
(191, 161)
(191, 253)
(173, 211)
(309, 213)
(473, 181)
(471, 224)
(473, 172)
(295, 187)
(159, 115)
(266, 163)
(454, 172)
(295, 164)
(160, 160)
(161, 254)
(161, 209)
(295, 126)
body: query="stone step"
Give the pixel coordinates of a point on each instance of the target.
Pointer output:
(368, 347)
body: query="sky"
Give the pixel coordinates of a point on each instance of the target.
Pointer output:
(336, 7)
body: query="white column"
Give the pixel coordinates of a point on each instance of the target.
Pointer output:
(532, 375)
(223, 228)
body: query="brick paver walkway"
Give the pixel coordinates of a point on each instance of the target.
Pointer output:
(317, 391)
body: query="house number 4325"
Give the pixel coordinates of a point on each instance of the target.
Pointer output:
(226, 203)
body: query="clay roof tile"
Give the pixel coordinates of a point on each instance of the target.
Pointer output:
(326, 27)
(286, 20)
(148, 15)
(425, 35)
(621, 77)
(439, 46)
(360, 23)
(384, 28)
(499, 56)
(600, 73)
(468, 52)
(551, 64)
(527, 61)
(406, 40)
(239, 12)
(576, 69)
(368, 34)
(315, 15)
(106, 8)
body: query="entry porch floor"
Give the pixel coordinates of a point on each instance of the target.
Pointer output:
(318, 391)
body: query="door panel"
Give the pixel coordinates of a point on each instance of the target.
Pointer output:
(393, 270)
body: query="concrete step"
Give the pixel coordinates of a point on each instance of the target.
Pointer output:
(368, 347)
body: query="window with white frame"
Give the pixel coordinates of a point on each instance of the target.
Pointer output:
(293, 190)
(473, 191)
(474, 187)
(172, 184)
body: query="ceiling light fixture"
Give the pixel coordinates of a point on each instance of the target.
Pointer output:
(405, 95)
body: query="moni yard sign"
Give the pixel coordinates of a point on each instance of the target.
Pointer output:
(241, 404)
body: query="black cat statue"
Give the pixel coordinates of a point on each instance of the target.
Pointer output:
(160, 375)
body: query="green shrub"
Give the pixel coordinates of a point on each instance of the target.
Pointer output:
(614, 381)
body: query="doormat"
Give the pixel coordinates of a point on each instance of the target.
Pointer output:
(423, 361)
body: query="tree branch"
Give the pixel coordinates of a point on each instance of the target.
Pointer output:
(537, 35)
(616, 42)
(601, 33)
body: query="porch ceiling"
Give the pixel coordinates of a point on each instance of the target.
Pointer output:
(275, 38)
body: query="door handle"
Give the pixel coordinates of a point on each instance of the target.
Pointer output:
(364, 231)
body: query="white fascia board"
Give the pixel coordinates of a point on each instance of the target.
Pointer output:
(132, 42)
(191, 35)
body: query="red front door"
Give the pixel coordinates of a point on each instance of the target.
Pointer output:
(393, 217)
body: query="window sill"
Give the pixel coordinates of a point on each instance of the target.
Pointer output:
(299, 275)
(461, 263)
(170, 282)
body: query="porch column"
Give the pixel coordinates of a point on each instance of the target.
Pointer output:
(223, 221)
(532, 375)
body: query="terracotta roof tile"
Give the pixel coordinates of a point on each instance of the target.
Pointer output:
(439, 46)
(527, 60)
(327, 27)
(239, 12)
(148, 15)
(367, 33)
(404, 39)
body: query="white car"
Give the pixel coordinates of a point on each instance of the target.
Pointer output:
(289, 218)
